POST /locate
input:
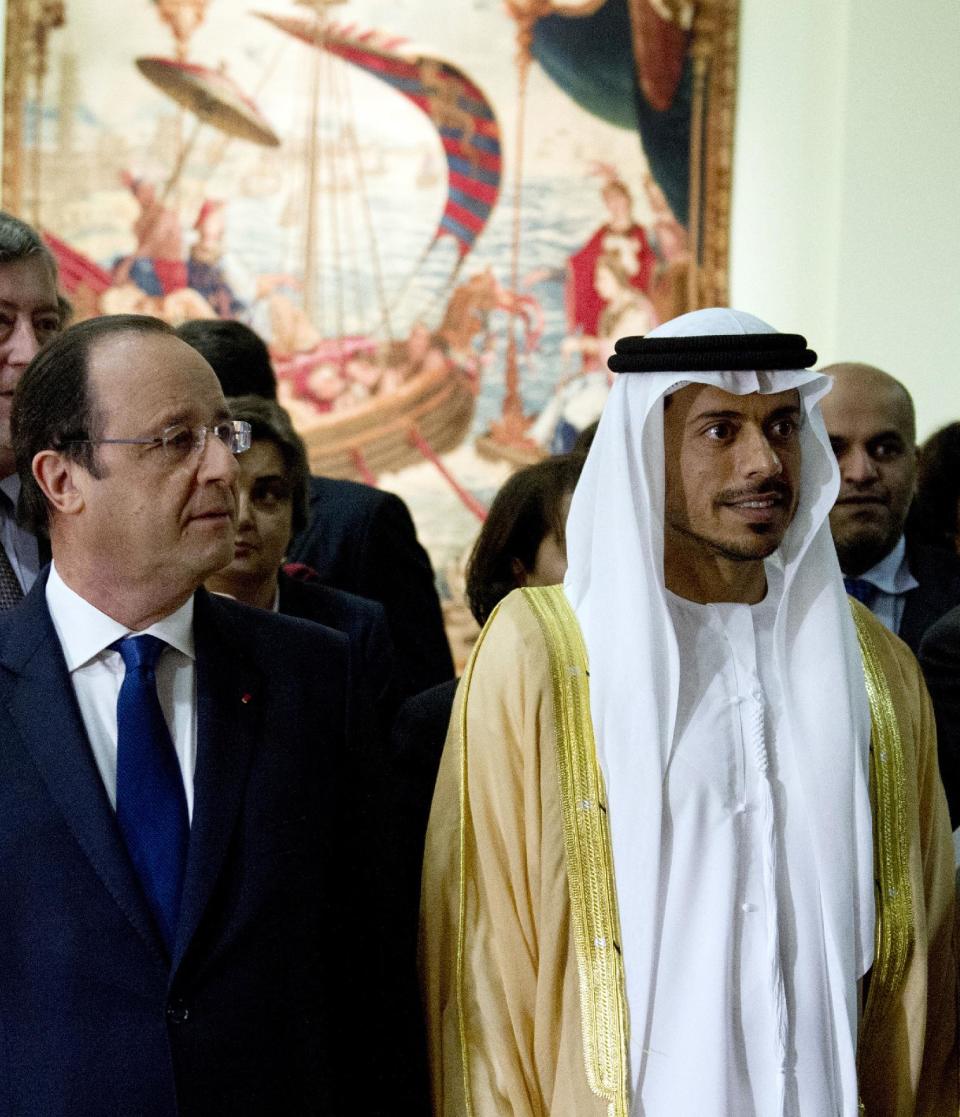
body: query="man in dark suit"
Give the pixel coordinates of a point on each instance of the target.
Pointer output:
(940, 662)
(30, 314)
(363, 540)
(178, 931)
(358, 538)
(870, 419)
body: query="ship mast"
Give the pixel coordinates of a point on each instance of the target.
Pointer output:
(508, 436)
(311, 298)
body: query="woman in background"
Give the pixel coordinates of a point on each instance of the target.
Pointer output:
(523, 539)
(272, 507)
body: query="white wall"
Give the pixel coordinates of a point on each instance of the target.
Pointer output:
(846, 202)
(786, 195)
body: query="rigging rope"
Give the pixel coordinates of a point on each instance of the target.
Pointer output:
(334, 212)
(367, 216)
(314, 144)
(468, 499)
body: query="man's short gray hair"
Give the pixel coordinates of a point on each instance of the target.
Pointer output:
(20, 241)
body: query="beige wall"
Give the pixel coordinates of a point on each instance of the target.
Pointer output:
(846, 208)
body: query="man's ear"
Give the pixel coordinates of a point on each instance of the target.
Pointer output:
(916, 470)
(57, 477)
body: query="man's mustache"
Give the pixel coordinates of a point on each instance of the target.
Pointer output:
(867, 494)
(773, 488)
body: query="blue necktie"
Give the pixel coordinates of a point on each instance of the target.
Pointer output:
(151, 803)
(862, 590)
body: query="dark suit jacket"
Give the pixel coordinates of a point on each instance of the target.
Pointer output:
(362, 540)
(417, 737)
(362, 621)
(247, 1018)
(940, 662)
(416, 743)
(938, 573)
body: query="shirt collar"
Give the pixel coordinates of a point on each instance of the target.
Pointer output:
(85, 631)
(892, 573)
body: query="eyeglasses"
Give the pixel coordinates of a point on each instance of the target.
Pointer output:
(180, 441)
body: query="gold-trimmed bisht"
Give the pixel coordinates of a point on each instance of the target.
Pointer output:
(894, 936)
(462, 896)
(589, 855)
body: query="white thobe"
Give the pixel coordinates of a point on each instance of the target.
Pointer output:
(740, 899)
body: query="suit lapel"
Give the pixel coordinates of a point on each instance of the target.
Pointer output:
(44, 709)
(229, 690)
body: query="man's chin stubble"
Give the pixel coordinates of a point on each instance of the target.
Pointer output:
(864, 551)
(760, 547)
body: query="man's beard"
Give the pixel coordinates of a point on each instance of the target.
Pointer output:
(751, 550)
(863, 550)
(763, 540)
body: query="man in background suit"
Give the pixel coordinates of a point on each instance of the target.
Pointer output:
(176, 929)
(359, 538)
(30, 314)
(870, 419)
(940, 661)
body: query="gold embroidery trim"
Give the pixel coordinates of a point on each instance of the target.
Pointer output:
(461, 884)
(894, 938)
(589, 856)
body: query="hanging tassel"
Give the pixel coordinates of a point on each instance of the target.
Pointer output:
(769, 845)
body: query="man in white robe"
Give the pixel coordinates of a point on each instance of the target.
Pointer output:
(649, 879)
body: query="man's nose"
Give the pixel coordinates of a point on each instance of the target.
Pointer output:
(244, 506)
(217, 462)
(22, 345)
(757, 457)
(857, 467)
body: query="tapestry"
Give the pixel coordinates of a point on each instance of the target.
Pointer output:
(439, 217)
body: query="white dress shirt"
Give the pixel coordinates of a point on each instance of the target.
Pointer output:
(892, 580)
(20, 545)
(97, 673)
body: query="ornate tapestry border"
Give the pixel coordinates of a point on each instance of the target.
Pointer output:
(713, 287)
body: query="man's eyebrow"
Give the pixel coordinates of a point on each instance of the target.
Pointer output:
(174, 419)
(788, 409)
(42, 308)
(187, 417)
(701, 415)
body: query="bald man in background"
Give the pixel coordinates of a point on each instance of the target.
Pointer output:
(870, 418)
